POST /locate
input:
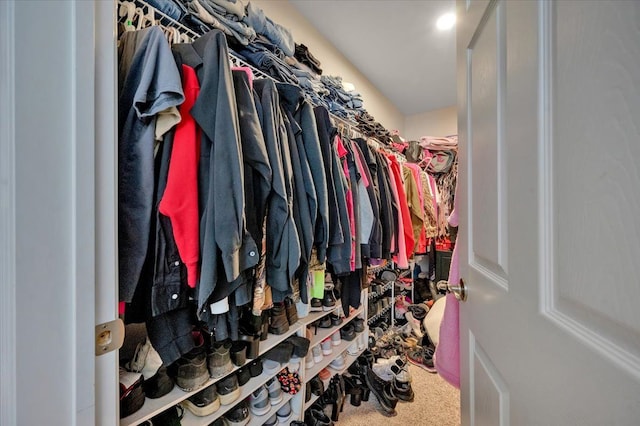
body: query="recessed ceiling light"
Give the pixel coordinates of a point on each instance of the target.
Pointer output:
(446, 21)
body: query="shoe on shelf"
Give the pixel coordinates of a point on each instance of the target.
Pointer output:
(324, 322)
(422, 357)
(238, 353)
(255, 368)
(275, 391)
(219, 359)
(348, 332)
(329, 300)
(169, 417)
(146, 360)
(203, 403)
(358, 324)
(317, 353)
(190, 371)
(131, 393)
(309, 361)
(353, 349)
(244, 375)
(279, 323)
(335, 338)
(228, 389)
(271, 367)
(324, 374)
(273, 421)
(291, 311)
(238, 415)
(325, 345)
(284, 414)
(335, 319)
(259, 401)
(338, 363)
(316, 305)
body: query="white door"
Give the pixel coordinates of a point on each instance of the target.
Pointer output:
(549, 126)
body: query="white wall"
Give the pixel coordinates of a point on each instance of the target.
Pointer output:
(439, 122)
(333, 62)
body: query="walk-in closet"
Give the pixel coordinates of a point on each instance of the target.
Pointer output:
(292, 212)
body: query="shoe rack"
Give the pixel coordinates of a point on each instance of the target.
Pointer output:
(382, 298)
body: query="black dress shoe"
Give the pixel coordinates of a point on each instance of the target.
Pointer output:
(316, 305)
(335, 319)
(383, 392)
(348, 333)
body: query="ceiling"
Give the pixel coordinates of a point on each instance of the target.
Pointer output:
(395, 44)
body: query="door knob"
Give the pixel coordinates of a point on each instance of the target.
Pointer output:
(460, 291)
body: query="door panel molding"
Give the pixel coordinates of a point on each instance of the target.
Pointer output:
(488, 239)
(7, 217)
(606, 326)
(494, 405)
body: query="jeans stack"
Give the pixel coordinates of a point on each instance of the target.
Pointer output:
(343, 103)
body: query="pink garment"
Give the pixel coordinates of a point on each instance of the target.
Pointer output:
(249, 72)
(403, 206)
(447, 357)
(398, 243)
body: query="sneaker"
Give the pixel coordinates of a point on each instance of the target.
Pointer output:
(271, 367)
(219, 359)
(422, 357)
(329, 300)
(291, 311)
(348, 332)
(275, 391)
(358, 324)
(259, 401)
(325, 345)
(335, 319)
(255, 368)
(335, 339)
(338, 363)
(309, 361)
(401, 384)
(279, 323)
(239, 415)
(273, 420)
(228, 389)
(362, 341)
(415, 324)
(316, 305)
(317, 353)
(131, 392)
(353, 349)
(169, 417)
(284, 414)
(244, 375)
(146, 360)
(204, 402)
(383, 367)
(190, 371)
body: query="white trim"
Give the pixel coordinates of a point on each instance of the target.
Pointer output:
(83, 208)
(8, 403)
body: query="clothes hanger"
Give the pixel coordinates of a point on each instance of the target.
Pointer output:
(128, 9)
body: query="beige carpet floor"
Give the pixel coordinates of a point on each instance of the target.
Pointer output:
(436, 403)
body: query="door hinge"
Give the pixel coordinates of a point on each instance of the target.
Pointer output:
(109, 336)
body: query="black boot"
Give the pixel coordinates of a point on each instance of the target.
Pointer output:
(292, 312)
(383, 392)
(279, 323)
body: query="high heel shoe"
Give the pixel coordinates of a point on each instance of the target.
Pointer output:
(351, 388)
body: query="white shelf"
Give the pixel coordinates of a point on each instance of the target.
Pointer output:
(313, 316)
(152, 407)
(190, 420)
